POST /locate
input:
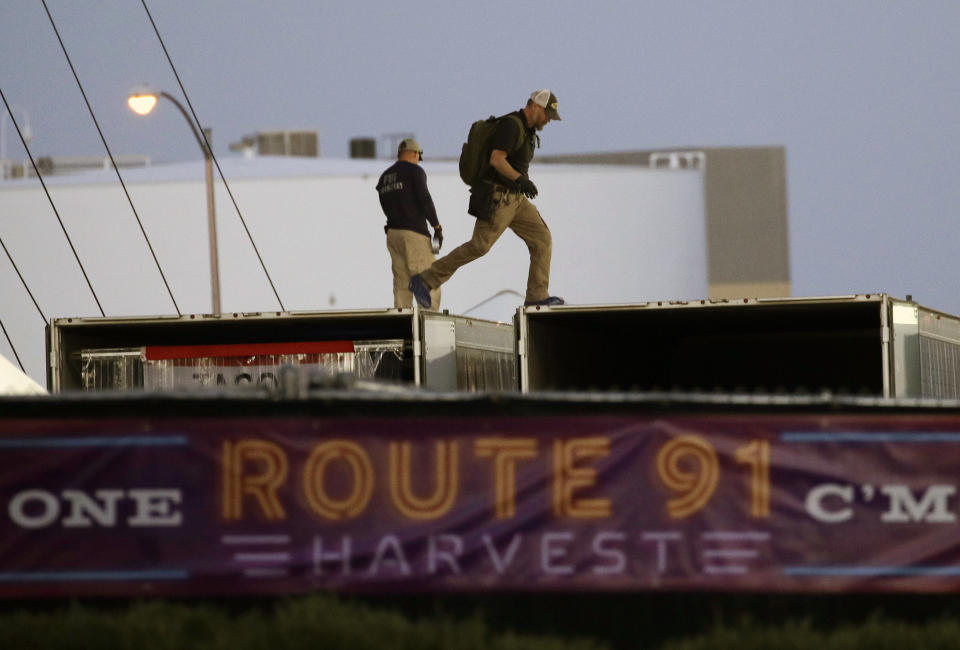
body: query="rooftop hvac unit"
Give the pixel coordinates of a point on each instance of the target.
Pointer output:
(288, 143)
(363, 148)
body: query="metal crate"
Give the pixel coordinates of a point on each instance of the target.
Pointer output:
(434, 350)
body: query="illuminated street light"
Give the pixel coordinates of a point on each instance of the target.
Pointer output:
(142, 102)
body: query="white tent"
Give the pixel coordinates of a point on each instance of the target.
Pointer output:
(14, 382)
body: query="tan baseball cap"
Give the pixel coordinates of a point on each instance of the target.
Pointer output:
(409, 144)
(547, 100)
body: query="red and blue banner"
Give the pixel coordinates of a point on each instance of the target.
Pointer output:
(262, 505)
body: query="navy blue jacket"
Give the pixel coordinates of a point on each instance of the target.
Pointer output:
(405, 199)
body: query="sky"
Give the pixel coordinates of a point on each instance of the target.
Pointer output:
(864, 95)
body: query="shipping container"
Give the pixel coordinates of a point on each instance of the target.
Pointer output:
(430, 349)
(866, 344)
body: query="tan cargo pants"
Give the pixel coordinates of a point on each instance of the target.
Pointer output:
(512, 211)
(410, 253)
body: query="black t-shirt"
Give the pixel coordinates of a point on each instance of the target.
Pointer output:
(505, 139)
(405, 199)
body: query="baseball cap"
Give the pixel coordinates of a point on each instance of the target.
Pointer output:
(409, 144)
(547, 100)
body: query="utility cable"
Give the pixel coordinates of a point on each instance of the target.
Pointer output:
(210, 151)
(116, 169)
(502, 292)
(16, 356)
(4, 246)
(20, 275)
(55, 211)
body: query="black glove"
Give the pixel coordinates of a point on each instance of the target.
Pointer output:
(526, 187)
(438, 237)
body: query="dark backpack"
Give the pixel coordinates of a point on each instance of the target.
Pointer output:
(475, 155)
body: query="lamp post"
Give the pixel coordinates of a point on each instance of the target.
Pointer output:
(142, 102)
(25, 131)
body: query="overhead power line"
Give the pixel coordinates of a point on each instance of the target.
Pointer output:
(52, 205)
(116, 169)
(24, 282)
(210, 149)
(3, 245)
(12, 347)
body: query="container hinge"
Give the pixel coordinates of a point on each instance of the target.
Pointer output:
(884, 334)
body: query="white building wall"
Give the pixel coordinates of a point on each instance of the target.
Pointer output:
(620, 235)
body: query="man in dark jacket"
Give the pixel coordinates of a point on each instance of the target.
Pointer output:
(407, 204)
(502, 202)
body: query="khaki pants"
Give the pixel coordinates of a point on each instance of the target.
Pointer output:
(512, 211)
(410, 253)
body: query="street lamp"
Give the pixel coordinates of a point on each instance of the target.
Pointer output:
(25, 132)
(142, 102)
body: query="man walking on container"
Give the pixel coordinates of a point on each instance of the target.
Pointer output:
(501, 202)
(407, 204)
